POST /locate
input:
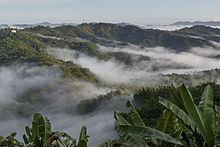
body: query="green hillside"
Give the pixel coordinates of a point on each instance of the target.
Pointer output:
(107, 34)
(24, 47)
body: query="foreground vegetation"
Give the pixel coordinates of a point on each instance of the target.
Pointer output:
(185, 121)
(41, 135)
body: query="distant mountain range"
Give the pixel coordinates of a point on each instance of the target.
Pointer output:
(29, 45)
(205, 23)
(24, 26)
(170, 27)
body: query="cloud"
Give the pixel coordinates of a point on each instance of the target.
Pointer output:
(109, 71)
(196, 58)
(26, 89)
(143, 71)
(17, 80)
(206, 52)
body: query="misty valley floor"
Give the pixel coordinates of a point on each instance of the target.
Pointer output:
(27, 88)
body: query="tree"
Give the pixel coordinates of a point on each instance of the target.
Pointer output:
(41, 135)
(134, 132)
(200, 124)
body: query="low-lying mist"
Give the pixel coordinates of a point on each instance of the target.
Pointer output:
(195, 58)
(109, 71)
(26, 89)
(149, 66)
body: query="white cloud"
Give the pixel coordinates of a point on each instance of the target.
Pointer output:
(56, 98)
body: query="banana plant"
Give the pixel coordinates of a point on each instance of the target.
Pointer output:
(10, 141)
(200, 122)
(83, 138)
(40, 135)
(168, 124)
(133, 131)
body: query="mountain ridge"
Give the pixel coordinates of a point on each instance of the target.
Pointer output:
(192, 23)
(100, 32)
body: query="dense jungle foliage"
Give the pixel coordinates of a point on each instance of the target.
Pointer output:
(162, 116)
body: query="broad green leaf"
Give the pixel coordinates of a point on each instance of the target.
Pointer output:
(26, 140)
(217, 119)
(178, 102)
(120, 119)
(28, 137)
(185, 118)
(206, 105)
(35, 129)
(44, 128)
(83, 138)
(132, 139)
(148, 132)
(135, 117)
(196, 115)
(167, 122)
(41, 130)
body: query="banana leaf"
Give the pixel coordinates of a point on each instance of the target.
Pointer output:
(132, 139)
(167, 124)
(42, 127)
(206, 105)
(83, 138)
(148, 132)
(135, 117)
(185, 118)
(197, 116)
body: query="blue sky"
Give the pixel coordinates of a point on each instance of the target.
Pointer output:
(133, 11)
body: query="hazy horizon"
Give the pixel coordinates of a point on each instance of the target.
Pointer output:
(114, 11)
(129, 22)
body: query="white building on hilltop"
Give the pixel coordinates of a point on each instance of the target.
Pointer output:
(13, 31)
